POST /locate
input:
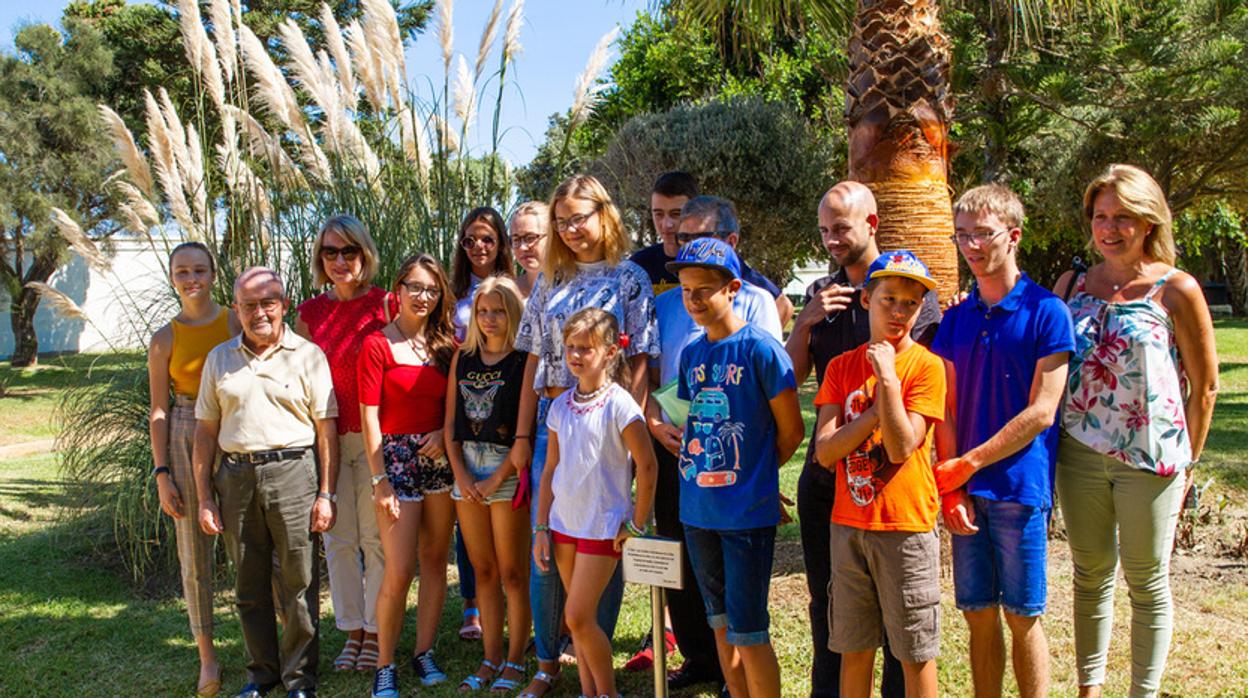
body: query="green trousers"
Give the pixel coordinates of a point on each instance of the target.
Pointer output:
(266, 511)
(1115, 513)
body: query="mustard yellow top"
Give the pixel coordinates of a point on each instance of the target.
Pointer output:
(191, 343)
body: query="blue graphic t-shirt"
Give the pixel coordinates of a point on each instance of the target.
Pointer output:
(729, 469)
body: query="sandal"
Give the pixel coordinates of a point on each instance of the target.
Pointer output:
(210, 688)
(471, 629)
(502, 685)
(475, 682)
(367, 660)
(348, 656)
(542, 677)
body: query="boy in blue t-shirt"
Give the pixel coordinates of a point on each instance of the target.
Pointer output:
(744, 421)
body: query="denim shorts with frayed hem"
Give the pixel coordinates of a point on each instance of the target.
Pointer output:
(733, 570)
(1005, 562)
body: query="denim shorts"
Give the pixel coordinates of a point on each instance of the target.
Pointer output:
(1004, 563)
(483, 459)
(412, 475)
(733, 570)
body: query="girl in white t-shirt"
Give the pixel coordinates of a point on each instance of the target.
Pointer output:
(585, 511)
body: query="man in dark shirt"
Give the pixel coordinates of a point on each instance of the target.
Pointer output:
(832, 322)
(671, 191)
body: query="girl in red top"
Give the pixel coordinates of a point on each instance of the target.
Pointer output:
(402, 377)
(345, 258)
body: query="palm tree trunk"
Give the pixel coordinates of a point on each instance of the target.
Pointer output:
(899, 107)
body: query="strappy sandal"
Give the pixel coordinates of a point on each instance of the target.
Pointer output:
(349, 655)
(367, 661)
(476, 682)
(471, 629)
(549, 679)
(502, 685)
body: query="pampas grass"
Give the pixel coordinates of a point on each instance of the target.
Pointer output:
(367, 65)
(465, 92)
(223, 33)
(338, 51)
(587, 91)
(511, 35)
(487, 38)
(128, 150)
(446, 31)
(72, 232)
(60, 303)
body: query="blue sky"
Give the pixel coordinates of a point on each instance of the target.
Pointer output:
(558, 37)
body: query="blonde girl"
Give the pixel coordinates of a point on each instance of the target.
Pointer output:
(174, 360)
(482, 402)
(584, 511)
(529, 228)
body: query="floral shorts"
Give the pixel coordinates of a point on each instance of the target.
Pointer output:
(412, 475)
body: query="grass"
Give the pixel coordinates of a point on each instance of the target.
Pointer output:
(70, 621)
(29, 396)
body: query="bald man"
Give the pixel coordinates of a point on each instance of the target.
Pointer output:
(266, 400)
(831, 323)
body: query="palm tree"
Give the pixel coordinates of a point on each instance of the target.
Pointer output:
(898, 100)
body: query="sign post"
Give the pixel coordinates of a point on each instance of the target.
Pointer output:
(656, 563)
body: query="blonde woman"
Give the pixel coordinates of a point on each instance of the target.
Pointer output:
(1131, 431)
(174, 360)
(529, 228)
(344, 258)
(585, 267)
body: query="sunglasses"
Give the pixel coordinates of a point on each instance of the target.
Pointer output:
(470, 242)
(349, 253)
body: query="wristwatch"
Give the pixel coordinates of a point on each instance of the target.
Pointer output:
(333, 498)
(377, 478)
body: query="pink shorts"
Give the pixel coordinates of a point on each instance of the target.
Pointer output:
(588, 546)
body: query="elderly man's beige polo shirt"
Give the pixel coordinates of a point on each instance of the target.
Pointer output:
(266, 402)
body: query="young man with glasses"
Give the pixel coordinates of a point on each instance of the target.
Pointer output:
(1006, 349)
(833, 322)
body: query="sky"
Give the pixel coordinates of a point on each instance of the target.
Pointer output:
(557, 39)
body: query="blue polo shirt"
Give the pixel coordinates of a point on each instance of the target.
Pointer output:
(994, 351)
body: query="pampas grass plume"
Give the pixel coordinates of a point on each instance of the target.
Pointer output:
(223, 33)
(487, 38)
(128, 150)
(60, 303)
(586, 93)
(446, 31)
(511, 35)
(78, 240)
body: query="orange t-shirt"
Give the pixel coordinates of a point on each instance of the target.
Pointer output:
(871, 492)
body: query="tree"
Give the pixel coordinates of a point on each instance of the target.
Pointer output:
(52, 154)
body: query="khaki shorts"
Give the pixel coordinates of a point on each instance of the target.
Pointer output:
(885, 581)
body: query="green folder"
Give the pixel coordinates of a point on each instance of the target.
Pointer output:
(676, 409)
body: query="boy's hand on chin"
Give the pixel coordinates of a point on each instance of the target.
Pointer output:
(882, 356)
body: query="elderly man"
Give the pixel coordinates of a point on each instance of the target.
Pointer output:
(266, 399)
(833, 322)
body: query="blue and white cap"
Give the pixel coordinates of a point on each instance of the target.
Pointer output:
(709, 252)
(901, 263)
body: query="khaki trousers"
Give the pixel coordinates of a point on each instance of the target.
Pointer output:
(353, 546)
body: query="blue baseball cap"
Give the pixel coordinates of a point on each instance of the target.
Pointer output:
(710, 253)
(901, 263)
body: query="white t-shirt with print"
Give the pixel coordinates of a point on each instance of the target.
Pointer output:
(594, 480)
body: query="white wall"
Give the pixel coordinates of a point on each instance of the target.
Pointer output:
(124, 305)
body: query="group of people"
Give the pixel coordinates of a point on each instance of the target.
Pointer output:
(542, 418)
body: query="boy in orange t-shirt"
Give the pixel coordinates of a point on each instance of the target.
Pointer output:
(877, 406)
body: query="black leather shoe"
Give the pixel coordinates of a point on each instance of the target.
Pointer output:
(302, 693)
(686, 676)
(255, 690)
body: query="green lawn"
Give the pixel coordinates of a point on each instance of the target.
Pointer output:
(71, 623)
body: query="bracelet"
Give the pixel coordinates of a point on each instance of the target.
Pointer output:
(333, 498)
(162, 469)
(541, 528)
(633, 530)
(520, 437)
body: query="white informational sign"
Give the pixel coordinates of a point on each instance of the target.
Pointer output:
(653, 561)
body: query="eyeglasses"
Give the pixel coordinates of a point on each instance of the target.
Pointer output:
(349, 253)
(563, 225)
(470, 242)
(980, 239)
(528, 240)
(686, 238)
(268, 305)
(420, 290)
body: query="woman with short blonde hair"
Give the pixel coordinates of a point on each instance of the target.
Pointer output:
(1131, 432)
(357, 241)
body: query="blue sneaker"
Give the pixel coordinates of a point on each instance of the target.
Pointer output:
(426, 669)
(386, 682)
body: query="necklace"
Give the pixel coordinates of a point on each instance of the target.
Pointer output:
(419, 349)
(586, 397)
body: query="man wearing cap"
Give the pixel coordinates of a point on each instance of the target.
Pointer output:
(743, 422)
(266, 399)
(833, 322)
(878, 406)
(677, 330)
(1007, 346)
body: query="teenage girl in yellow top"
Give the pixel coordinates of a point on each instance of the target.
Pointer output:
(174, 360)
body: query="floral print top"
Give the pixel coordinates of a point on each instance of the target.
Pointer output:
(623, 290)
(1124, 393)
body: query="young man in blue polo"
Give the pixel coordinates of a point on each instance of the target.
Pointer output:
(744, 421)
(1005, 348)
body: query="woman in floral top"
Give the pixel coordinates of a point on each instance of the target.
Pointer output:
(585, 267)
(1139, 400)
